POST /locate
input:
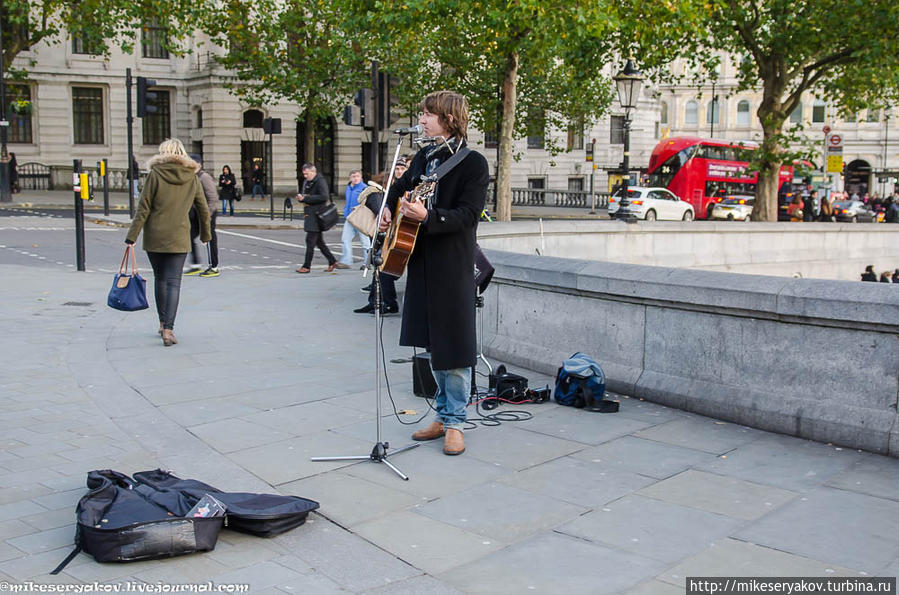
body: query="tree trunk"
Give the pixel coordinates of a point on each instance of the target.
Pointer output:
(504, 166)
(772, 117)
(309, 140)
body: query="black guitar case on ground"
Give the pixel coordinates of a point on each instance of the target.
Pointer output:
(123, 519)
(263, 515)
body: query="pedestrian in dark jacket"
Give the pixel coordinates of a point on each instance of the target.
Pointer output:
(227, 190)
(896, 276)
(13, 174)
(258, 178)
(171, 189)
(869, 274)
(439, 304)
(885, 277)
(808, 214)
(315, 197)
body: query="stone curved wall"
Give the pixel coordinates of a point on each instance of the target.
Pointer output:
(812, 358)
(809, 250)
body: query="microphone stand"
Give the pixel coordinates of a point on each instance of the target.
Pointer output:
(379, 452)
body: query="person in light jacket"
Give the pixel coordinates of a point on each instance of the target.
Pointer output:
(171, 189)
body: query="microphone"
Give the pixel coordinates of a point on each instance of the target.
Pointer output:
(417, 129)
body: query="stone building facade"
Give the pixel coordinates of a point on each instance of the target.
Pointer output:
(79, 112)
(689, 110)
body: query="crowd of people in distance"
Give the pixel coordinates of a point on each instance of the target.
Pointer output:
(885, 277)
(809, 207)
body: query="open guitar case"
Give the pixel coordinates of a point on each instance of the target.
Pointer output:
(124, 519)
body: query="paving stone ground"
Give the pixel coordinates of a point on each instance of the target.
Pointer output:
(273, 368)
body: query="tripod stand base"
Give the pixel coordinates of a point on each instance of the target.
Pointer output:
(378, 454)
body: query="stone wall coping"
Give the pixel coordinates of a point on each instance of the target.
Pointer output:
(851, 304)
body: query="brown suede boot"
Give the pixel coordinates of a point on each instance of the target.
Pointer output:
(454, 442)
(432, 432)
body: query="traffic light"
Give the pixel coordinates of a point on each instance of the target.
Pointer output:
(352, 116)
(145, 98)
(363, 98)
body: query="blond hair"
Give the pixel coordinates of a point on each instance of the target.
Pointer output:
(172, 146)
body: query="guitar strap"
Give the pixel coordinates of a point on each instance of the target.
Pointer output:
(450, 163)
(443, 169)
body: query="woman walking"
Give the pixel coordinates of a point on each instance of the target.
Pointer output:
(227, 190)
(171, 189)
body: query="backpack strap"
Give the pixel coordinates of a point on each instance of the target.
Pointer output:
(68, 559)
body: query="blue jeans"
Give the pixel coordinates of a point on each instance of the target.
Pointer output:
(349, 232)
(453, 387)
(226, 202)
(257, 188)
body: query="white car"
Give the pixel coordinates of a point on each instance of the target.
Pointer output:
(734, 208)
(651, 204)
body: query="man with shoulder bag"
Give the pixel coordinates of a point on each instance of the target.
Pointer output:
(316, 200)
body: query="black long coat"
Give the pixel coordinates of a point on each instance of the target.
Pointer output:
(315, 198)
(439, 305)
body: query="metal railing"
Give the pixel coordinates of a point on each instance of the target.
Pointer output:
(548, 197)
(34, 176)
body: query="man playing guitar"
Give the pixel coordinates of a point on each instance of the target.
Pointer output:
(439, 305)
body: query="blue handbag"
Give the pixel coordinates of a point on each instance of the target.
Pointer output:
(129, 290)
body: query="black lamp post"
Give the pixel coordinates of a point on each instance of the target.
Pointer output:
(5, 191)
(629, 82)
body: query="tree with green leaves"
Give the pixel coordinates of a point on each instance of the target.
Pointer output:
(844, 52)
(522, 64)
(301, 51)
(100, 24)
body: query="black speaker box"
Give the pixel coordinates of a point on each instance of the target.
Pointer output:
(423, 383)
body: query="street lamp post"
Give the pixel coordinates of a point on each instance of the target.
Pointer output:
(5, 190)
(886, 142)
(629, 82)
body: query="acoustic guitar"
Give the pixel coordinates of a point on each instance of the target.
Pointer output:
(402, 233)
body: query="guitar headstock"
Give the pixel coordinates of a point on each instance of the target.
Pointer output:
(423, 192)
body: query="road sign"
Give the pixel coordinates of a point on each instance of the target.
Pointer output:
(826, 130)
(835, 140)
(835, 163)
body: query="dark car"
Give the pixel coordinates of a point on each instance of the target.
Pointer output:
(853, 211)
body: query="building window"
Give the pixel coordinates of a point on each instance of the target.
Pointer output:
(873, 115)
(691, 113)
(664, 114)
(576, 135)
(576, 184)
(713, 112)
(252, 118)
(796, 116)
(83, 45)
(819, 111)
(157, 126)
(199, 117)
(196, 147)
(87, 115)
(19, 124)
(491, 139)
(537, 183)
(616, 130)
(743, 113)
(536, 131)
(154, 38)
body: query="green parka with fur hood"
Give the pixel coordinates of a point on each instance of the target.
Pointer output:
(162, 213)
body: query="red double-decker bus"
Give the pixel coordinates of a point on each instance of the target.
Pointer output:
(704, 171)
